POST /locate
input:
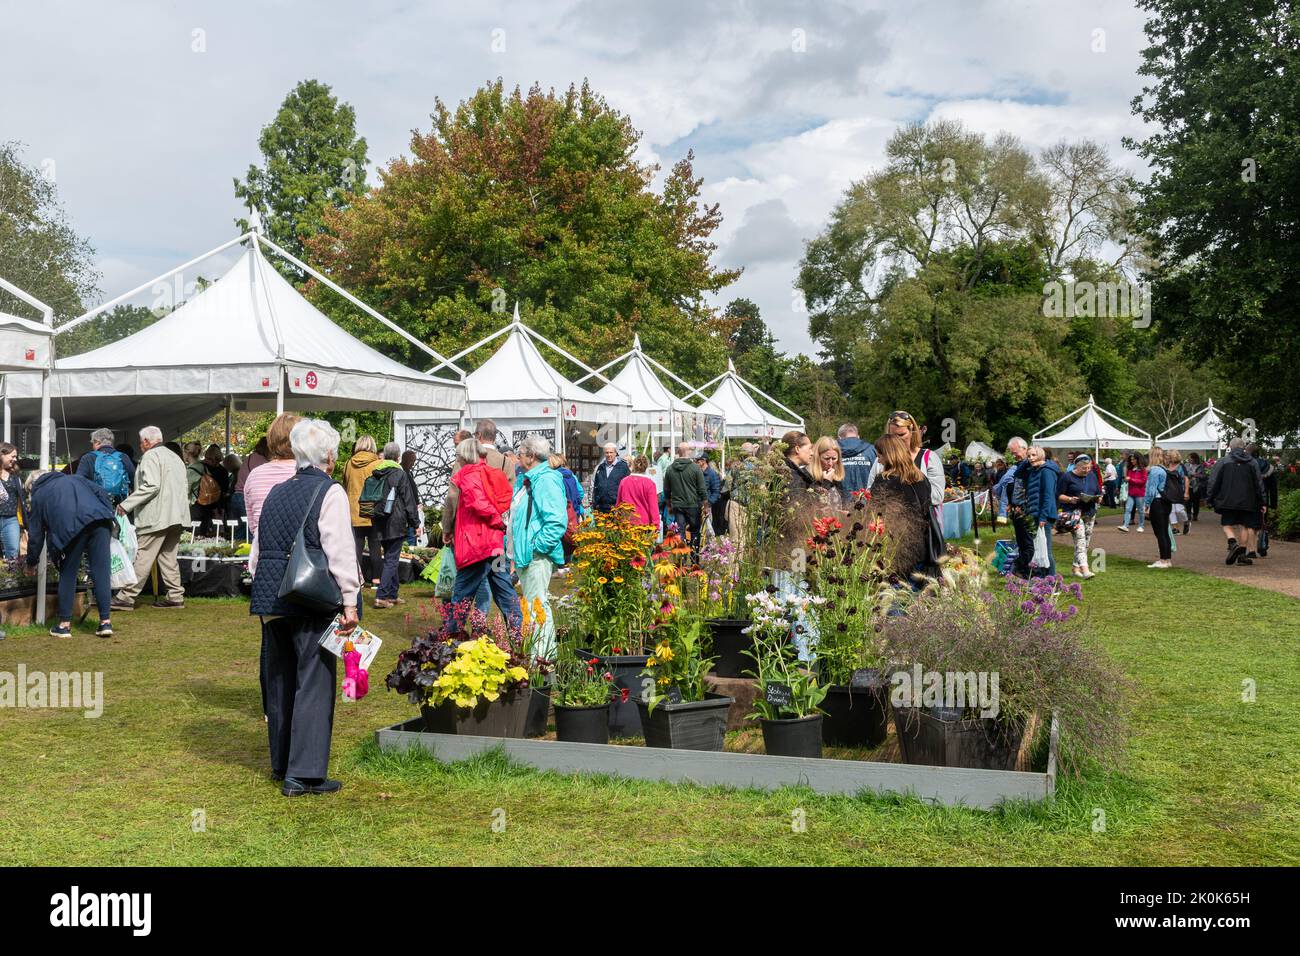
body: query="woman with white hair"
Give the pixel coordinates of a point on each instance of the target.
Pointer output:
(300, 677)
(539, 517)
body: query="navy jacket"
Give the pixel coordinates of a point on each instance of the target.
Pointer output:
(713, 485)
(1040, 490)
(61, 506)
(1071, 485)
(604, 490)
(86, 466)
(857, 456)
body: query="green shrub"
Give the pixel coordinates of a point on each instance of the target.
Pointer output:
(1288, 514)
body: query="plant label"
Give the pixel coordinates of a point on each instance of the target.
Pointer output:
(673, 695)
(778, 695)
(865, 678)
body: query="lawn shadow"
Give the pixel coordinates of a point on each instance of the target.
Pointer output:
(235, 732)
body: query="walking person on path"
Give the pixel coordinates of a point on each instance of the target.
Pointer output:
(1158, 506)
(1236, 492)
(1135, 474)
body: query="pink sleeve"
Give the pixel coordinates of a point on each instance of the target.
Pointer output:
(336, 541)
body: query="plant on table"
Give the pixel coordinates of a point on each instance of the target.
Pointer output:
(610, 560)
(847, 570)
(762, 482)
(1038, 648)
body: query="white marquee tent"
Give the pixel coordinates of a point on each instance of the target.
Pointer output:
(250, 341)
(658, 417)
(1209, 430)
(523, 394)
(24, 347)
(1091, 430)
(744, 416)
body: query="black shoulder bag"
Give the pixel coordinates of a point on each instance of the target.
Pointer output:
(307, 580)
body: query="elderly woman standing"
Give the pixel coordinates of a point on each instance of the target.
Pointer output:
(479, 534)
(1077, 492)
(539, 517)
(300, 676)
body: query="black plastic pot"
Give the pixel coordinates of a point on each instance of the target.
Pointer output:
(729, 646)
(624, 718)
(503, 717)
(582, 725)
(539, 708)
(980, 743)
(856, 716)
(690, 725)
(793, 737)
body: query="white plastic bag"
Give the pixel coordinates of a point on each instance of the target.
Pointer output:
(126, 535)
(121, 566)
(1040, 558)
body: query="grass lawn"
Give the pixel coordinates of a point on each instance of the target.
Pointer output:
(1210, 779)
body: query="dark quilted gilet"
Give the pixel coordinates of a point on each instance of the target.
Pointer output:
(282, 513)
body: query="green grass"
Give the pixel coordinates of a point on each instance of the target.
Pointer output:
(1209, 779)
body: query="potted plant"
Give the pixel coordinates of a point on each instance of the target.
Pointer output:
(787, 697)
(612, 579)
(676, 709)
(541, 671)
(971, 664)
(582, 696)
(465, 679)
(759, 488)
(847, 571)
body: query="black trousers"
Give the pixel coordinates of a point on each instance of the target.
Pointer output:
(720, 523)
(1160, 509)
(688, 519)
(1194, 505)
(370, 570)
(300, 691)
(1024, 529)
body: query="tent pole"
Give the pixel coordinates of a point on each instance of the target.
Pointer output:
(279, 394)
(41, 596)
(9, 429)
(229, 402)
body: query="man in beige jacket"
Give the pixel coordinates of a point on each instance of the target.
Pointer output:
(160, 504)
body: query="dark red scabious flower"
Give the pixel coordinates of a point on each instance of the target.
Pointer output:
(623, 695)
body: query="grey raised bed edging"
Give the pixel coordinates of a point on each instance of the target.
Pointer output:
(947, 786)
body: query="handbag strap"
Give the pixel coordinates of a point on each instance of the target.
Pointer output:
(302, 527)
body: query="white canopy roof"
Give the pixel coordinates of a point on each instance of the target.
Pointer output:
(744, 416)
(517, 382)
(651, 401)
(979, 451)
(240, 340)
(1208, 431)
(1091, 429)
(24, 344)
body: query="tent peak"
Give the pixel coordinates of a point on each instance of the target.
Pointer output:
(636, 341)
(731, 366)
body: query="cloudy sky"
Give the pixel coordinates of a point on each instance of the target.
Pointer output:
(144, 112)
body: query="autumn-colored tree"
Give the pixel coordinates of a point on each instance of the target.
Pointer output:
(535, 198)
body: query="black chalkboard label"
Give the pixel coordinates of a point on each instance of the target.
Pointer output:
(778, 695)
(865, 678)
(673, 695)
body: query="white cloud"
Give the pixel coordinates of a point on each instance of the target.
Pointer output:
(786, 103)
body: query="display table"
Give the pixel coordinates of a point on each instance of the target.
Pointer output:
(957, 520)
(208, 577)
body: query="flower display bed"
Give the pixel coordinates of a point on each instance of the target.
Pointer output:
(948, 786)
(18, 605)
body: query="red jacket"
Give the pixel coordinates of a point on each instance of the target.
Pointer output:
(480, 531)
(640, 492)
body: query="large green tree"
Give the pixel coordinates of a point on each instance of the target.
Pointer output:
(1222, 205)
(40, 252)
(312, 160)
(535, 198)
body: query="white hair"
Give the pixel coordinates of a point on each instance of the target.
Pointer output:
(848, 430)
(392, 451)
(151, 434)
(101, 436)
(608, 445)
(536, 446)
(467, 451)
(1016, 442)
(314, 442)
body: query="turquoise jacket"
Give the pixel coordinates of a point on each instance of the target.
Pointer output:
(540, 532)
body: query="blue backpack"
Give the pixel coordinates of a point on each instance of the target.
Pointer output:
(110, 474)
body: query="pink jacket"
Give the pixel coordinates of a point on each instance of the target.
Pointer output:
(640, 492)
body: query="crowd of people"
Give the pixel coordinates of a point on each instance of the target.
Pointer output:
(509, 515)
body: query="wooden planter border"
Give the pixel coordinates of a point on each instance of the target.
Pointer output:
(946, 786)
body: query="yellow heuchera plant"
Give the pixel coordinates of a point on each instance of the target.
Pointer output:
(479, 670)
